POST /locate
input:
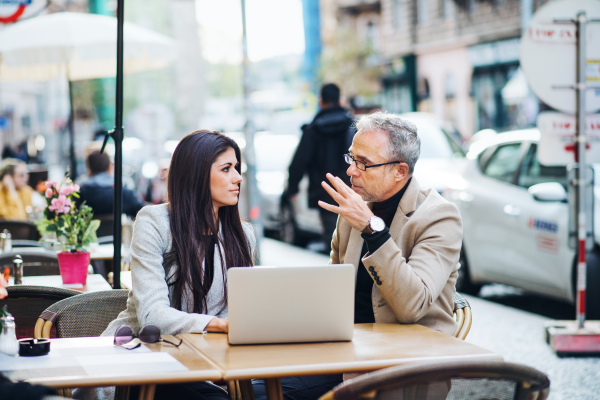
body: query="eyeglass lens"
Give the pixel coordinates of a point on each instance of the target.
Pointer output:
(360, 165)
(150, 334)
(124, 335)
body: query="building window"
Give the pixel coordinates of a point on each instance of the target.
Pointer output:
(446, 8)
(397, 13)
(372, 35)
(422, 11)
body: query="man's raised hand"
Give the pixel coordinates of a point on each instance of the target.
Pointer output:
(350, 205)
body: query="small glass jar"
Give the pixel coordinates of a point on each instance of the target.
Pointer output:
(8, 336)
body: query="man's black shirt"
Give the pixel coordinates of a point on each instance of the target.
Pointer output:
(363, 302)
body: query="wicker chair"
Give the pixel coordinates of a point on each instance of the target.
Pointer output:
(20, 230)
(462, 380)
(464, 317)
(34, 264)
(86, 315)
(26, 303)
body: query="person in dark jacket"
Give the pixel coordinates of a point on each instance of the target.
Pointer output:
(98, 190)
(321, 150)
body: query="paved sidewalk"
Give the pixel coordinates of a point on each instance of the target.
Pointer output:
(517, 335)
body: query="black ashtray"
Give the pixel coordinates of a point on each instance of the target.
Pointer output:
(33, 347)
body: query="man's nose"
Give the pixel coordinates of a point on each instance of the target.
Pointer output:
(352, 170)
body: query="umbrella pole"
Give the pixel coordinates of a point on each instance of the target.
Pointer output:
(73, 160)
(118, 139)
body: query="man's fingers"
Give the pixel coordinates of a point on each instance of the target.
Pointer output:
(329, 207)
(336, 196)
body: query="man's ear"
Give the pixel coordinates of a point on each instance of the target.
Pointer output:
(401, 171)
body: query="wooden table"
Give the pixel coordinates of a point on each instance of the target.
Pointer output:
(373, 347)
(94, 283)
(89, 362)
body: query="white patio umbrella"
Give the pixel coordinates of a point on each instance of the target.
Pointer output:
(78, 46)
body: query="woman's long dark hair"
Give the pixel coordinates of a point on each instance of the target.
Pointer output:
(192, 219)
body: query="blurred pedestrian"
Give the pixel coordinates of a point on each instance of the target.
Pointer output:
(15, 194)
(98, 190)
(321, 150)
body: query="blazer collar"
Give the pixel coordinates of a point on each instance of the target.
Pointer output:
(408, 203)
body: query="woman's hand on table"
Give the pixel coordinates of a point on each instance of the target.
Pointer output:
(220, 325)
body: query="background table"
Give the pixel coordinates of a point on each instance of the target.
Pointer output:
(94, 283)
(96, 361)
(373, 347)
(99, 252)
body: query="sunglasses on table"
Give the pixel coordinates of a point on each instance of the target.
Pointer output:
(125, 338)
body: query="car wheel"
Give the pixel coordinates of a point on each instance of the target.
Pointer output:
(464, 283)
(592, 293)
(288, 232)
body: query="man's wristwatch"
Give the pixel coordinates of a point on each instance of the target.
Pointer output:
(375, 225)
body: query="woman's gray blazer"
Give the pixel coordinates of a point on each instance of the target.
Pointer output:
(149, 300)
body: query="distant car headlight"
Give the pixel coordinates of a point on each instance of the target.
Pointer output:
(271, 183)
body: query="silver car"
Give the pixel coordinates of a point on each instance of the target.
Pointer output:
(515, 221)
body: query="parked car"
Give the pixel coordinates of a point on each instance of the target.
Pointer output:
(441, 156)
(515, 221)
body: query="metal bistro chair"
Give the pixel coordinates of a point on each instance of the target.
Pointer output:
(34, 263)
(464, 317)
(460, 380)
(26, 303)
(86, 315)
(20, 230)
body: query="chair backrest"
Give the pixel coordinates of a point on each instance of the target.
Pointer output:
(20, 230)
(450, 380)
(86, 315)
(26, 303)
(106, 225)
(34, 264)
(464, 316)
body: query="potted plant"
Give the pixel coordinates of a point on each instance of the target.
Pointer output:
(74, 228)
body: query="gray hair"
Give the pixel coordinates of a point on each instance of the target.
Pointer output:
(403, 144)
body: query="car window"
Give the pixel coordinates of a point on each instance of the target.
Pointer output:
(436, 144)
(504, 162)
(532, 172)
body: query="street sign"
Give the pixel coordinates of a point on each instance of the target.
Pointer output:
(558, 130)
(12, 11)
(548, 54)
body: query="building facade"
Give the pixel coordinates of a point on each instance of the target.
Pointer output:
(453, 58)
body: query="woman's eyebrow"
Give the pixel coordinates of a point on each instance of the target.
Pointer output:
(227, 163)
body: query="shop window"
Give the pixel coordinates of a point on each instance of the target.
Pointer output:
(422, 11)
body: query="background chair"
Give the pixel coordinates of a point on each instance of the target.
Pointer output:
(106, 225)
(462, 380)
(20, 230)
(26, 303)
(34, 264)
(85, 315)
(464, 317)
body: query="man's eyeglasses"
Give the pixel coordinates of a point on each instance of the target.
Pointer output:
(125, 338)
(362, 166)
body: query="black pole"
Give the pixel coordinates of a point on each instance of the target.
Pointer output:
(73, 160)
(118, 139)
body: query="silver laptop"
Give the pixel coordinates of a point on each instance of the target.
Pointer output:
(291, 304)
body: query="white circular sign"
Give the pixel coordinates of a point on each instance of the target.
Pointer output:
(548, 52)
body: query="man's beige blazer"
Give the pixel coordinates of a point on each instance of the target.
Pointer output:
(417, 268)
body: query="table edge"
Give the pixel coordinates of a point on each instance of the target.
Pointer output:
(345, 367)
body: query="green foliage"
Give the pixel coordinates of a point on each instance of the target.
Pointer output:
(74, 227)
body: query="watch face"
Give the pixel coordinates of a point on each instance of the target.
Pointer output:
(377, 224)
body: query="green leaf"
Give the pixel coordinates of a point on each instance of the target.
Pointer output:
(52, 228)
(60, 222)
(94, 225)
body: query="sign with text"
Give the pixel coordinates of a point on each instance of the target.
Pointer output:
(548, 54)
(12, 11)
(557, 131)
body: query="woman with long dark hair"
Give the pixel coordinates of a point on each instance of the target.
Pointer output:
(181, 250)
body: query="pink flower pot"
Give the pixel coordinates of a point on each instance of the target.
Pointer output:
(74, 266)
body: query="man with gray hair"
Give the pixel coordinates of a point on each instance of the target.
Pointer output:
(403, 240)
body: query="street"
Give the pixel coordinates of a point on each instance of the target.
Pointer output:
(505, 320)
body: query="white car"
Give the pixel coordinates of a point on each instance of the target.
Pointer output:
(441, 157)
(515, 221)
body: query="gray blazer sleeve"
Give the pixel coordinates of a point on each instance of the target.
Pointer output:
(150, 290)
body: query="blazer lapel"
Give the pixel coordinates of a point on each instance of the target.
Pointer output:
(408, 204)
(355, 244)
